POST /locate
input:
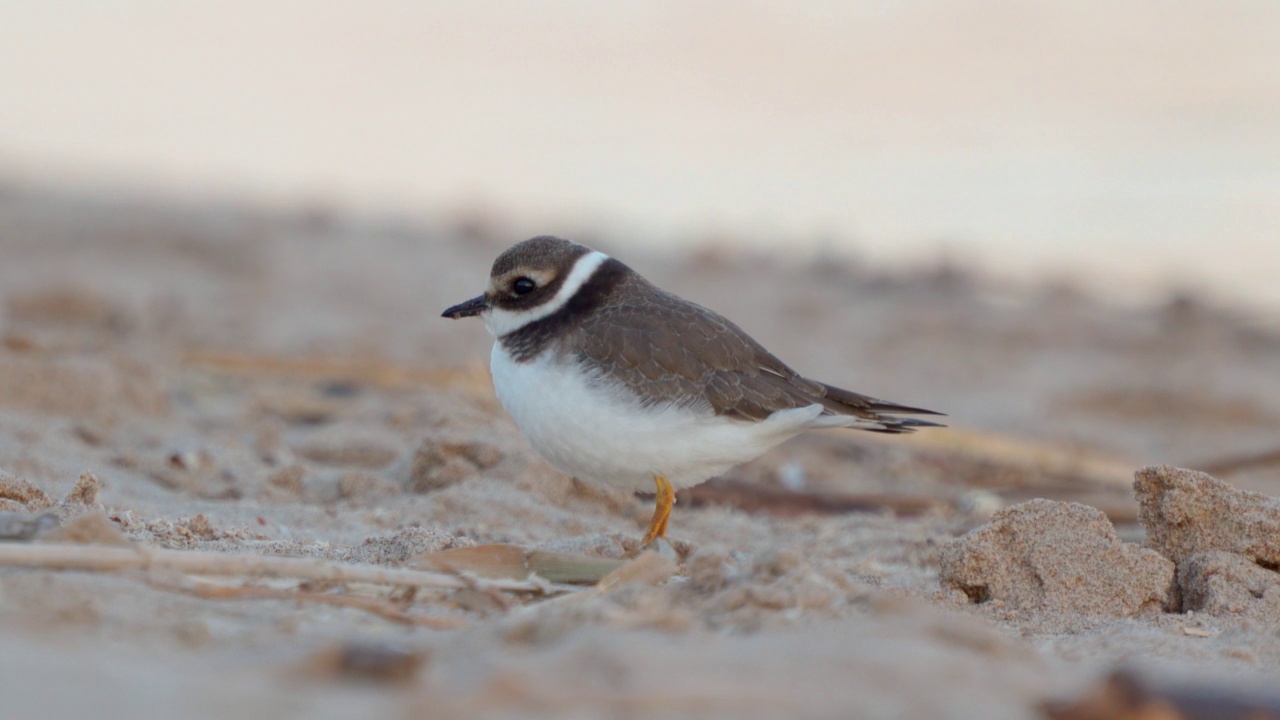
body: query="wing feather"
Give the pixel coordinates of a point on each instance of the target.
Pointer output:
(664, 348)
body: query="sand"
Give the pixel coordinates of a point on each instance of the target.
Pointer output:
(218, 378)
(1056, 566)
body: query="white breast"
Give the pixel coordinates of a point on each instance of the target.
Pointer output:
(602, 434)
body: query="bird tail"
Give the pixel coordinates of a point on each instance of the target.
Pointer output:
(878, 415)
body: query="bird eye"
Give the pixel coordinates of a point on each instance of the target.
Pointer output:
(524, 286)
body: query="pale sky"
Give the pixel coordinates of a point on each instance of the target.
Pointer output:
(1135, 142)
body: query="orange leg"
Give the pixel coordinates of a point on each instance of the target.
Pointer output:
(661, 510)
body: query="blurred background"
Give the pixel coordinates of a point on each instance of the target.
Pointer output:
(1128, 146)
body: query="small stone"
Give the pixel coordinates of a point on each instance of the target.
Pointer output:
(85, 491)
(201, 527)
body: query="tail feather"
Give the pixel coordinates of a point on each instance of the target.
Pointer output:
(896, 409)
(898, 426)
(853, 399)
(879, 411)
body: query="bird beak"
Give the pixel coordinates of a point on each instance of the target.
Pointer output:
(470, 308)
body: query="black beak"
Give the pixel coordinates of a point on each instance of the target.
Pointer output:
(470, 308)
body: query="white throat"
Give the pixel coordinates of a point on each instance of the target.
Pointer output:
(500, 322)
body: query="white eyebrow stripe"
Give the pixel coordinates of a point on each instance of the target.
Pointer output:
(500, 322)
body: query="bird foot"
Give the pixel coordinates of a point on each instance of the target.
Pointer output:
(662, 502)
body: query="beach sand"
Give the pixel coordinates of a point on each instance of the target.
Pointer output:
(242, 380)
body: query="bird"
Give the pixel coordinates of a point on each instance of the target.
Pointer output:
(620, 383)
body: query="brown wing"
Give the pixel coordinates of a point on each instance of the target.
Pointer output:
(664, 348)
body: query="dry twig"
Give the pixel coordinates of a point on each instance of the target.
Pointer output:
(649, 568)
(107, 559)
(1238, 463)
(776, 501)
(377, 606)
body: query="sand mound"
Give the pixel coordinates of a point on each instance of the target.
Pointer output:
(1057, 565)
(21, 495)
(1187, 512)
(1221, 583)
(27, 512)
(1226, 541)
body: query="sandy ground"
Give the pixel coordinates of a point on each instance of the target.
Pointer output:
(280, 383)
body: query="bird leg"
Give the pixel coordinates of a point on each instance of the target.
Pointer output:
(665, 498)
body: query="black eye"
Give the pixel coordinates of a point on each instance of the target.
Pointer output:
(524, 286)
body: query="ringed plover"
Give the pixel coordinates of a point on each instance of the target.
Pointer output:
(618, 382)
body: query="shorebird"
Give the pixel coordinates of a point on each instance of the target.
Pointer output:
(618, 382)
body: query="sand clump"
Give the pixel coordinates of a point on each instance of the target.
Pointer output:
(1055, 565)
(1187, 512)
(1225, 541)
(1222, 583)
(27, 512)
(21, 495)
